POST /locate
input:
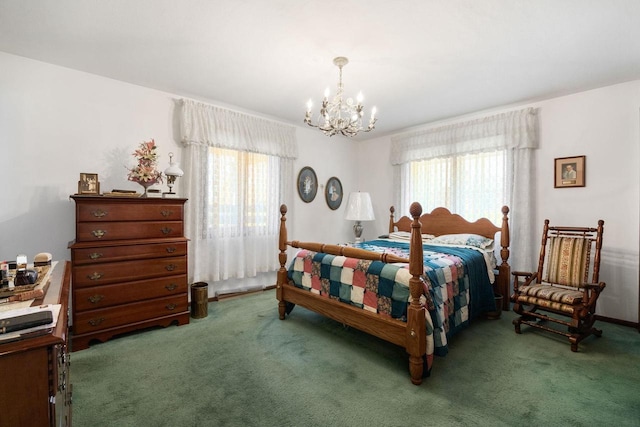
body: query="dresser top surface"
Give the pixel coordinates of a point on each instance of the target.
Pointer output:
(110, 199)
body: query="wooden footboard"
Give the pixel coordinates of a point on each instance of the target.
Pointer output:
(410, 334)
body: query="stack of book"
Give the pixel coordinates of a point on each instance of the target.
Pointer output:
(122, 193)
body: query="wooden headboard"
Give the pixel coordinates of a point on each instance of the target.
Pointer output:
(441, 221)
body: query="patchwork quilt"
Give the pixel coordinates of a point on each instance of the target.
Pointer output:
(457, 285)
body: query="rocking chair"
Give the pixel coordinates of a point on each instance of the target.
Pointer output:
(561, 286)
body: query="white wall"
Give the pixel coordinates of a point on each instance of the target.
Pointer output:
(602, 124)
(329, 157)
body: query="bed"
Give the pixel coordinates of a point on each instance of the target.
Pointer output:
(413, 293)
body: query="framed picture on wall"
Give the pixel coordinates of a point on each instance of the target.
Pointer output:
(333, 193)
(569, 172)
(89, 184)
(307, 184)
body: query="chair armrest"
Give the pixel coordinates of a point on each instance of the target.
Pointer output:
(522, 273)
(595, 286)
(591, 292)
(528, 278)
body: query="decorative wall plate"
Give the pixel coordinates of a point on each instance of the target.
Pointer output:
(333, 193)
(307, 184)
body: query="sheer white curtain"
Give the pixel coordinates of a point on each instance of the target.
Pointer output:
(514, 133)
(238, 171)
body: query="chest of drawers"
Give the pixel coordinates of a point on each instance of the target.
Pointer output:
(129, 266)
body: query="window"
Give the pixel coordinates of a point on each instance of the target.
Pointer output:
(471, 185)
(238, 170)
(241, 199)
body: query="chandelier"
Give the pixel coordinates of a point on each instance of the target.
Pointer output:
(340, 116)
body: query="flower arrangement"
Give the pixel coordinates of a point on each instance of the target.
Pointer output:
(145, 173)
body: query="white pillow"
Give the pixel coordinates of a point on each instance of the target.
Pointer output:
(400, 235)
(474, 240)
(406, 235)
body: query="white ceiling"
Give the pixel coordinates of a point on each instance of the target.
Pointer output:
(417, 61)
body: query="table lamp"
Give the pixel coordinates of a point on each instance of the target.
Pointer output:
(172, 173)
(359, 209)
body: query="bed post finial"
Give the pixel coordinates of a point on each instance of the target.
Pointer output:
(415, 210)
(282, 258)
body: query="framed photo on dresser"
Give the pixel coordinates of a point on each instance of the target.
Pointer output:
(88, 184)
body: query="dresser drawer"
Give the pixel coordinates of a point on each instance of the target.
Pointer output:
(100, 254)
(116, 210)
(105, 231)
(127, 271)
(96, 320)
(122, 293)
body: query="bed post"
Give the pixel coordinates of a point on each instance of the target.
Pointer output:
(416, 324)
(282, 258)
(504, 270)
(391, 220)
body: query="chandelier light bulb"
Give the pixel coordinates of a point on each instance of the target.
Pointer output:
(340, 115)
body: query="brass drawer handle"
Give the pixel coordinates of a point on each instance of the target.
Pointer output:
(99, 233)
(166, 213)
(95, 255)
(99, 213)
(171, 306)
(166, 230)
(95, 276)
(170, 267)
(94, 299)
(171, 249)
(171, 287)
(96, 322)
(61, 357)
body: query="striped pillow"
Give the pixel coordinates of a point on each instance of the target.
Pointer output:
(568, 261)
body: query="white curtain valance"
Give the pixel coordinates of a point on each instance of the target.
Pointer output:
(204, 124)
(510, 130)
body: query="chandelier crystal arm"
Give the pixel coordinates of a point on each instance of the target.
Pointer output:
(340, 116)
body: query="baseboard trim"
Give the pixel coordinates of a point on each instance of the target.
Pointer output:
(635, 325)
(239, 294)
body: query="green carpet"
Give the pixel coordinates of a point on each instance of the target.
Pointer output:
(242, 366)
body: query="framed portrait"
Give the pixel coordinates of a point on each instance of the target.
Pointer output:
(89, 184)
(569, 172)
(307, 184)
(333, 193)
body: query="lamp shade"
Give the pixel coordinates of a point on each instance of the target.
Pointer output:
(359, 207)
(174, 170)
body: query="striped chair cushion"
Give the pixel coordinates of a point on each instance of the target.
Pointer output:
(568, 261)
(550, 296)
